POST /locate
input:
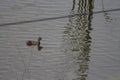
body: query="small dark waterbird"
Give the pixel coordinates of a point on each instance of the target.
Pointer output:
(33, 43)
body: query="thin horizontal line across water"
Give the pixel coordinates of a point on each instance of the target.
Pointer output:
(54, 18)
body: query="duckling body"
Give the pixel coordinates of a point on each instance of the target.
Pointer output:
(31, 43)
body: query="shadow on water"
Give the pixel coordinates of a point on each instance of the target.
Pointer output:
(77, 36)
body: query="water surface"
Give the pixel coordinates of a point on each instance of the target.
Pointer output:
(76, 48)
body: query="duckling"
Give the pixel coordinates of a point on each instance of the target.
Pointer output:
(31, 43)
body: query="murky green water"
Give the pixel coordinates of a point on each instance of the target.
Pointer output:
(75, 48)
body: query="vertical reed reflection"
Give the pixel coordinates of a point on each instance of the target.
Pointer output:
(106, 15)
(77, 36)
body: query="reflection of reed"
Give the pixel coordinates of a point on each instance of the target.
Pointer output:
(106, 15)
(77, 35)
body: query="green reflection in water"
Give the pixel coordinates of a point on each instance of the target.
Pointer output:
(77, 36)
